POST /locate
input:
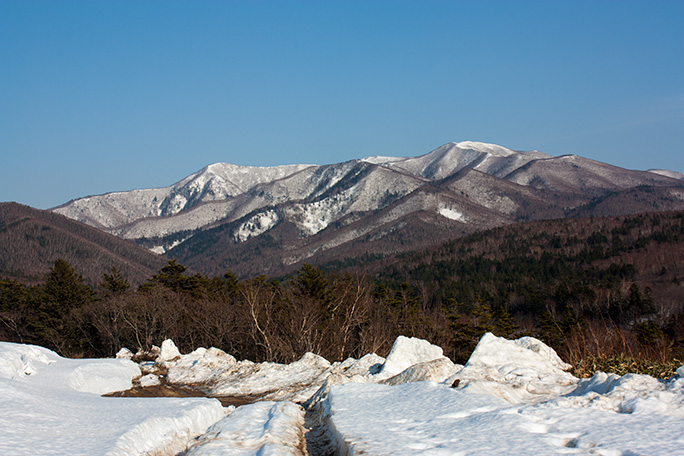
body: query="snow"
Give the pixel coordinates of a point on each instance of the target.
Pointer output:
(169, 351)
(221, 375)
(52, 406)
(315, 197)
(256, 225)
(511, 397)
(667, 173)
(525, 370)
(452, 214)
(262, 428)
(407, 351)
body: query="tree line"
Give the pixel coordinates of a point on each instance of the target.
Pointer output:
(334, 315)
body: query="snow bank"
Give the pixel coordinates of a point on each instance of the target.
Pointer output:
(51, 406)
(221, 375)
(631, 393)
(170, 431)
(203, 366)
(262, 428)
(96, 376)
(296, 381)
(19, 361)
(519, 371)
(513, 398)
(103, 376)
(426, 418)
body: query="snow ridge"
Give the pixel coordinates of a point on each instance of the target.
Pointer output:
(314, 197)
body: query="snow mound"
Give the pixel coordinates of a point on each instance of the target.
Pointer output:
(169, 351)
(19, 361)
(365, 366)
(437, 370)
(407, 351)
(103, 377)
(124, 353)
(150, 380)
(518, 371)
(262, 428)
(350, 370)
(219, 374)
(631, 393)
(160, 435)
(52, 406)
(95, 376)
(295, 382)
(201, 366)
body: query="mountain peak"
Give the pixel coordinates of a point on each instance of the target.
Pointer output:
(492, 149)
(312, 209)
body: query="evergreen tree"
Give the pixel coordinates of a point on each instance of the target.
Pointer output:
(114, 283)
(63, 292)
(310, 281)
(505, 327)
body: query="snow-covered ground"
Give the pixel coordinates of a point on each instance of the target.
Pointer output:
(512, 397)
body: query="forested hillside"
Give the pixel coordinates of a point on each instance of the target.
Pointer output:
(588, 287)
(31, 241)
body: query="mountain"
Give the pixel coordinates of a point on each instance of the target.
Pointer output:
(522, 265)
(31, 240)
(255, 220)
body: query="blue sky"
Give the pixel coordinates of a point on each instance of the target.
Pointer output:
(101, 96)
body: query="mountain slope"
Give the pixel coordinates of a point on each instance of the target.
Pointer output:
(269, 220)
(31, 240)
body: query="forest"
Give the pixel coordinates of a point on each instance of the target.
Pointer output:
(579, 294)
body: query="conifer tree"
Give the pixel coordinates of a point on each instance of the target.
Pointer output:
(64, 290)
(115, 283)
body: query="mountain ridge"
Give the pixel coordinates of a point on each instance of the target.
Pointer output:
(312, 209)
(31, 240)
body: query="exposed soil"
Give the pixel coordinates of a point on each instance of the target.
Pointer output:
(182, 391)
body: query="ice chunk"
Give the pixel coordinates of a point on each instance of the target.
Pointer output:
(124, 353)
(406, 352)
(149, 380)
(436, 370)
(169, 351)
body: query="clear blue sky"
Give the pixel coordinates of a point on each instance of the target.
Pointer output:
(101, 96)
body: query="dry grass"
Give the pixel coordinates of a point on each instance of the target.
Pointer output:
(602, 346)
(622, 365)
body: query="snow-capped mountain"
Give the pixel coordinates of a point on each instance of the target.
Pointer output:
(218, 217)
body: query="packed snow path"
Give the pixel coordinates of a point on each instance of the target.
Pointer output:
(512, 397)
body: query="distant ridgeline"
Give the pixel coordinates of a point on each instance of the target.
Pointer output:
(272, 220)
(588, 287)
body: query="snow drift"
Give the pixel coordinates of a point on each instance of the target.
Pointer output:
(511, 397)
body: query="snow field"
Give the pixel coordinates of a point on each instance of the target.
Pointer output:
(511, 397)
(52, 406)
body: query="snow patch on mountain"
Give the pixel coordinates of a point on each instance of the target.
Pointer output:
(256, 225)
(316, 216)
(452, 214)
(667, 173)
